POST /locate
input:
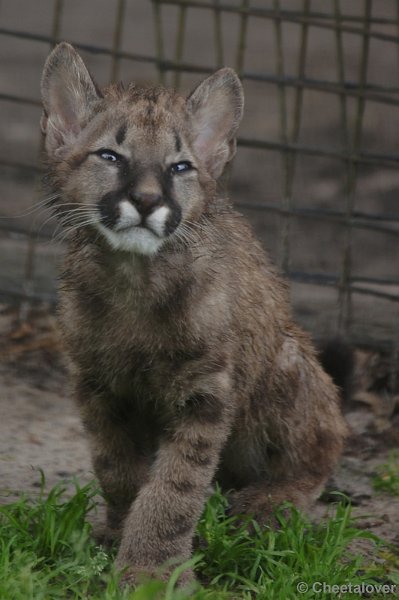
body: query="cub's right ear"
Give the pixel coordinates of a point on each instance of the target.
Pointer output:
(67, 94)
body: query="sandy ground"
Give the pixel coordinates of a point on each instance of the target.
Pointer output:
(40, 427)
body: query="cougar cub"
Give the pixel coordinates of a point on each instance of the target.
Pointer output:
(187, 365)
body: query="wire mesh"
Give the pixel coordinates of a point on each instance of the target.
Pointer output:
(317, 170)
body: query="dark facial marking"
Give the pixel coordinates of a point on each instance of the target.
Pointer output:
(173, 219)
(121, 134)
(175, 210)
(128, 173)
(109, 208)
(177, 142)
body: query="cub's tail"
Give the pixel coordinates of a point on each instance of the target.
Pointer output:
(338, 360)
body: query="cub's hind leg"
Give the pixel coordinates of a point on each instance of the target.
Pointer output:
(297, 475)
(261, 499)
(291, 434)
(291, 464)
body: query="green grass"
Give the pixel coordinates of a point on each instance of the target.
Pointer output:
(47, 552)
(387, 476)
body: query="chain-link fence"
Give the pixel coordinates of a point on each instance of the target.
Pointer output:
(317, 169)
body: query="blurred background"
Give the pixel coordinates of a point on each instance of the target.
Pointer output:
(317, 167)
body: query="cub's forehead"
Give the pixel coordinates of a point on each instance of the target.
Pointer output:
(147, 107)
(144, 116)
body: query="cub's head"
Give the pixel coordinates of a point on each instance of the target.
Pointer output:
(134, 164)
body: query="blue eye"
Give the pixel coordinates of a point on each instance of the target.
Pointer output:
(181, 167)
(108, 155)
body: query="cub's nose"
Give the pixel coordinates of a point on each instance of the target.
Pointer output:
(145, 203)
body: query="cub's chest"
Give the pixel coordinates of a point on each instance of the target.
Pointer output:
(133, 359)
(138, 340)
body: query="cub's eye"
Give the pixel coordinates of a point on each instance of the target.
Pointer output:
(181, 167)
(109, 155)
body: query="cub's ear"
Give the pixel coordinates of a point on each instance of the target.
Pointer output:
(67, 93)
(216, 106)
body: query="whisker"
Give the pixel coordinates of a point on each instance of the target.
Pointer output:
(64, 219)
(66, 235)
(44, 204)
(41, 205)
(76, 219)
(75, 227)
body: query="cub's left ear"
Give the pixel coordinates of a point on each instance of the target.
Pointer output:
(216, 106)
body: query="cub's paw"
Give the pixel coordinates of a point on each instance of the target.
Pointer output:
(258, 507)
(106, 536)
(134, 575)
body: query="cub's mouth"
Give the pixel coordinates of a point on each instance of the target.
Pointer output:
(140, 227)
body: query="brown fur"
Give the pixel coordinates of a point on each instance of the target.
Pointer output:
(187, 364)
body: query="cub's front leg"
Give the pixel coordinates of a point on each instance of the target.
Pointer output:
(118, 463)
(161, 522)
